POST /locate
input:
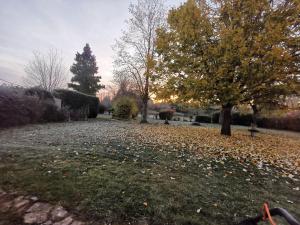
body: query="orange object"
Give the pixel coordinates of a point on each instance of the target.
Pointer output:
(267, 215)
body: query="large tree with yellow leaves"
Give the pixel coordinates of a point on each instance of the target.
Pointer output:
(229, 52)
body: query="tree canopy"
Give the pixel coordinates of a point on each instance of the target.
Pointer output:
(229, 52)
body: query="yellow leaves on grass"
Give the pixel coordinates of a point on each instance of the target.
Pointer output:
(273, 149)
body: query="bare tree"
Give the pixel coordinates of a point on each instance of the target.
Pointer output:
(136, 48)
(124, 83)
(46, 70)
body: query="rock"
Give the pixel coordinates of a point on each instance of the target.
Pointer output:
(5, 206)
(66, 221)
(75, 222)
(2, 192)
(49, 222)
(20, 202)
(22, 209)
(36, 217)
(20, 198)
(38, 213)
(58, 213)
(3, 195)
(34, 199)
(40, 207)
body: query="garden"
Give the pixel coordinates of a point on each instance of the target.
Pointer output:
(199, 124)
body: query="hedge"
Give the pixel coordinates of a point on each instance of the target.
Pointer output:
(203, 119)
(101, 108)
(287, 122)
(166, 114)
(241, 119)
(236, 119)
(216, 117)
(40, 93)
(51, 113)
(282, 123)
(78, 101)
(19, 107)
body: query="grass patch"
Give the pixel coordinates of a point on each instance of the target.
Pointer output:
(115, 182)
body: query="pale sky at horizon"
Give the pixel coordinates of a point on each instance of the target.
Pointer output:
(66, 25)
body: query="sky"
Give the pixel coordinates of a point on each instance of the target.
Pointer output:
(65, 25)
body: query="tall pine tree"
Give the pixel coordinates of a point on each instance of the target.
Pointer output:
(84, 70)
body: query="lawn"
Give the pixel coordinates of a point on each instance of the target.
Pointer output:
(113, 171)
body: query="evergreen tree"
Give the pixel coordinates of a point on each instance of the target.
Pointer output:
(84, 70)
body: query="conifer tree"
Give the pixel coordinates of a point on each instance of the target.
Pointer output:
(84, 70)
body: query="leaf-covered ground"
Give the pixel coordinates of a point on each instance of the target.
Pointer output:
(278, 150)
(124, 171)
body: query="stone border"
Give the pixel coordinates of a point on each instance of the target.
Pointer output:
(33, 211)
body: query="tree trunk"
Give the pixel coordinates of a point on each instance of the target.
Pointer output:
(145, 99)
(254, 115)
(145, 110)
(226, 115)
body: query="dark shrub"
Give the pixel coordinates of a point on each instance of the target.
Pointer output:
(75, 100)
(40, 93)
(282, 123)
(286, 122)
(93, 107)
(19, 106)
(102, 108)
(110, 111)
(16, 108)
(51, 113)
(125, 108)
(79, 114)
(241, 119)
(203, 119)
(166, 114)
(216, 117)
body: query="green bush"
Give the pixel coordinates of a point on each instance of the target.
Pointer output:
(203, 119)
(77, 101)
(125, 108)
(166, 114)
